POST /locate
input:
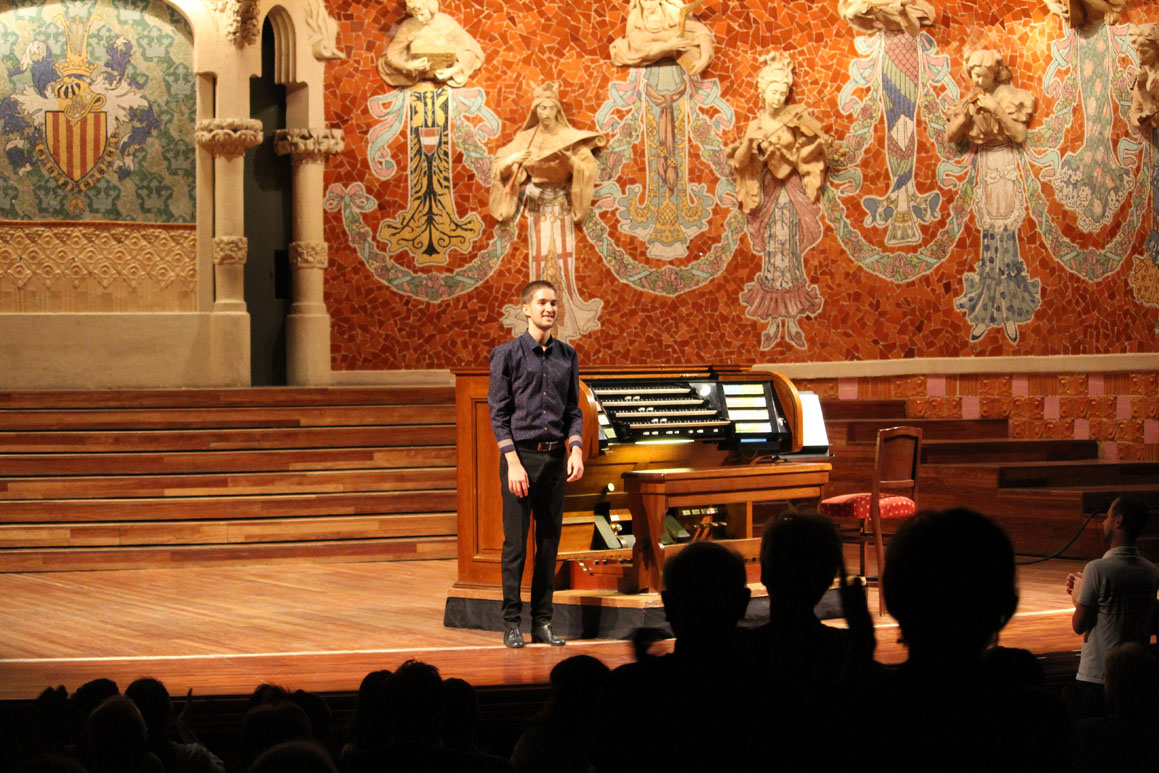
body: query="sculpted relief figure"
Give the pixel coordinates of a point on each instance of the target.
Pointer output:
(781, 163)
(993, 116)
(873, 15)
(664, 29)
(429, 46)
(994, 112)
(549, 153)
(1079, 13)
(550, 165)
(1145, 94)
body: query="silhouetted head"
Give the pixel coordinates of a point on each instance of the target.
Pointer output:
(576, 684)
(1132, 681)
(800, 556)
(268, 693)
(116, 734)
(270, 724)
(294, 757)
(371, 720)
(705, 592)
(949, 580)
(152, 699)
(414, 696)
(460, 714)
(317, 710)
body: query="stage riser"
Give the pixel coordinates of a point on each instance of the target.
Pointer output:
(129, 479)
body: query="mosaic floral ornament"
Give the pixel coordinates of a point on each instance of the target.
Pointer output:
(1092, 56)
(897, 76)
(549, 172)
(394, 110)
(1144, 278)
(892, 67)
(428, 61)
(354, 202)
(670, 210)
(80, 105)
(1094, 180)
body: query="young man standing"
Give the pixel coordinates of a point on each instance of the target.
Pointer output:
(1114, 599)
(534, 400)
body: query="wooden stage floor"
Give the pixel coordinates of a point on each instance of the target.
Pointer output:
(223, 630)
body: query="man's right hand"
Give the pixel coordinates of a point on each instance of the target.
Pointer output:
(517, 482)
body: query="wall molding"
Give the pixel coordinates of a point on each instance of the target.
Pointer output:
(1078, 363)
(1081, 363)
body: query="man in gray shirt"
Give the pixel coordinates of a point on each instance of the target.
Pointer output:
(1114, 598)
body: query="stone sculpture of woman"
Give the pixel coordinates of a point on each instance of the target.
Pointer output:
(780, 165)
(663, 29)
(429, 46)
(993, 116)
(1144, 113)
(1079, 13)
(873, 15)
(550, 166)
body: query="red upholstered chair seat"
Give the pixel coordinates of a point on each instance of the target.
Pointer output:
(857, 506)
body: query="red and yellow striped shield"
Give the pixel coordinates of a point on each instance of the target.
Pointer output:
(75, 146)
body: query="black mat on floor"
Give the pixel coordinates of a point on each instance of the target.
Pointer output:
(589, 621)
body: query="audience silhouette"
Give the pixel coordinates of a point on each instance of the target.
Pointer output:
(794, 693)
(949, 581)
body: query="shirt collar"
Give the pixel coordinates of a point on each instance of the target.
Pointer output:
(530, 344)
(1122, 550)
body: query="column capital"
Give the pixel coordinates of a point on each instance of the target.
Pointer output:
(309, 254)
(228, 137)
(309, 146)
(230, 250)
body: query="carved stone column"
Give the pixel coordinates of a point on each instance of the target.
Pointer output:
(308, 323)
(227, 139)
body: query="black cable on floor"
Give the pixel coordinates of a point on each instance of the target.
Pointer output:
(1061, 550)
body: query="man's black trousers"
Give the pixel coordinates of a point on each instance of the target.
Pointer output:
(547, 476)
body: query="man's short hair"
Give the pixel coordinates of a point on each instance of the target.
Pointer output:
(532, 288)
(1134, 512)
(800, 556)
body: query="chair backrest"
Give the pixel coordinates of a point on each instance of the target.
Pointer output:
(899, 453)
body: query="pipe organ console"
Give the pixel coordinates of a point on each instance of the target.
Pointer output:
(673, 454)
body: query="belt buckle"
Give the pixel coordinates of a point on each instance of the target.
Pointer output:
(546, 445)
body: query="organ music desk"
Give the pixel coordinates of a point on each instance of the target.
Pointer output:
(688, 447)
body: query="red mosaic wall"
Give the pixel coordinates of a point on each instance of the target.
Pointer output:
(1120, 410)
(864, 316)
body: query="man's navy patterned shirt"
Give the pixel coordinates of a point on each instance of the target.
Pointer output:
(534, 393)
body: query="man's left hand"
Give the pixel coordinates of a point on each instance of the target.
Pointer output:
(575, 464)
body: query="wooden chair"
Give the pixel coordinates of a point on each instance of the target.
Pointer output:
(895, 469)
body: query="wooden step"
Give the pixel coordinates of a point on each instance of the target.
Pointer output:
(223, 418)
(314, 481)
(226, 532)
(261, 397)
(845, 431)
(225, 439)
(61, 559)
(258, 460)
(226, 507)
(1007, 450)
(1068, 474)
(863, 409)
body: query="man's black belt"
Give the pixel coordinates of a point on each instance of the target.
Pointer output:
(540, 445)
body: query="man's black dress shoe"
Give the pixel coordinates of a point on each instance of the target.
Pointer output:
(543, 633)
(513, 638)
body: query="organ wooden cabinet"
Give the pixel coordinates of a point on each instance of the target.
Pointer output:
(674, 454)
